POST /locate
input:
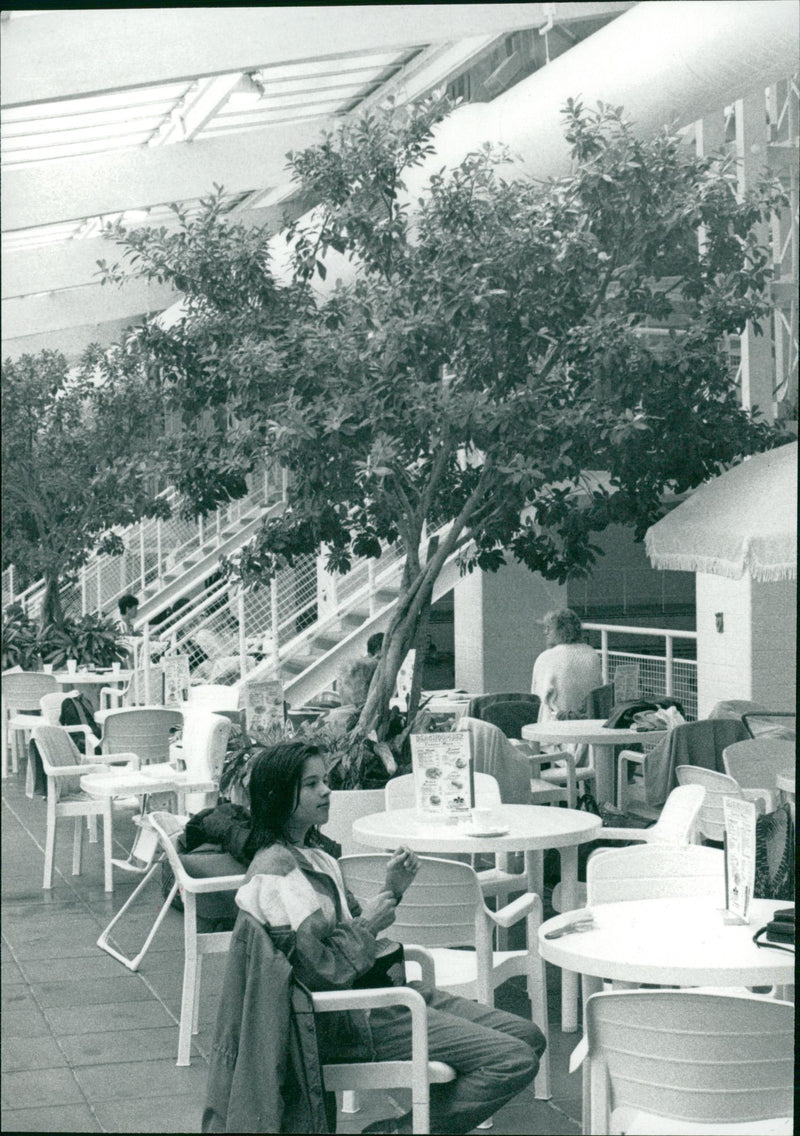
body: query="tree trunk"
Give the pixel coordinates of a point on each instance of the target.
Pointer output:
(52, 611)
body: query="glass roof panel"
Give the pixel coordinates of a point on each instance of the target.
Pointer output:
(333, 65)
(140, 96)
(109, 117)
(47, 153)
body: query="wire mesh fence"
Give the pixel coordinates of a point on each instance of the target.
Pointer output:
(653, 678)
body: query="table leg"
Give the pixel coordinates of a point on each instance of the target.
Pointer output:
(590, 985)
(534, 870)
(569, 901)
(603, 773)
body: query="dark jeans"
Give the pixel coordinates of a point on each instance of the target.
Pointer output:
(495, 1055)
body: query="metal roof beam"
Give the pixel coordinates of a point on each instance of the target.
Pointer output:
(74, 188)
(59, 54)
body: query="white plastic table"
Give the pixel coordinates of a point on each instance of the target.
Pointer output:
(528, 828)
(675, 942)
(591, 732)
(89, 679)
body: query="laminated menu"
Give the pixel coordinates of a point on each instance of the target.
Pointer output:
(740, 856)
(443, 780)
(176, 679)
(263, 703)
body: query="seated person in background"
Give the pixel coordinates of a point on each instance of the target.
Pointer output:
(375, 644)
(296, 891)
(565, 674)
(128, 610)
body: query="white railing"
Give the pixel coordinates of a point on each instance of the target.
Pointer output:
(663, 671)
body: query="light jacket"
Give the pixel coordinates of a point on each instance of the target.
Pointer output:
(264, 1074)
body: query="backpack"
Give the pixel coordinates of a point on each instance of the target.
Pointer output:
(77, 710)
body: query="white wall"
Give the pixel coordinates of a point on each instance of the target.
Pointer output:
(498, 631)
(754, 655)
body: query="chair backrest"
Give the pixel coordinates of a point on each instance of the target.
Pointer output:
(50, 706)
(718, 786)
(399, 791)
(481, 702)
(678, 820)
(689, 1057)
(438, 909)
(348, 805)
(56, 749)
(755, 763)
(140, 730)
(169, 829)
(23, 690)
(600, 701)
(510, 717)
(655, 871)
(214, 696)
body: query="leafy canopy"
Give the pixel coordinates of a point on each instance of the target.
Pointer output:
(75, 449)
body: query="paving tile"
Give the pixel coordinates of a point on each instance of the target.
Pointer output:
(64, 1118)
(113, 1016)
(22, 1053)
(124, 987)
(151, 1114)
(112, 1048)
(17, 997)
(39, 1087)
(96, 965)
(10, 973)
(26, 1022)
(143, 1079)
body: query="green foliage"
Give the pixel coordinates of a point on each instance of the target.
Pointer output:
(75, 448)
(19, 640)
(515, 338)
(92, 640)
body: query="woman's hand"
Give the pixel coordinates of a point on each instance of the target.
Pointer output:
(378, 912)
(401, 870)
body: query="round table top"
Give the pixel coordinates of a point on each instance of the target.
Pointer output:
(129, 783)
(90, 678)
(681, 942)
(590, 731)
(524, 828)
(785, 782)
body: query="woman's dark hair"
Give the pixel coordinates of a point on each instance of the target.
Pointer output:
(274, 788)
(127, 603)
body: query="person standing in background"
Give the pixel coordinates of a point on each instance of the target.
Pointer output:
(568, 671)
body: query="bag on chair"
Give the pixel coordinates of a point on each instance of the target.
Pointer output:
(77, 710)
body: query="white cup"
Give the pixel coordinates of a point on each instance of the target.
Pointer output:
(481, 818)
(115, 667)
(47, 668)
(72, 666)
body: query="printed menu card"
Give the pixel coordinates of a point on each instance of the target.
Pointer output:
(740, 856)
(443, 780)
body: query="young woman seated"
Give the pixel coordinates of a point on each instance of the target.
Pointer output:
(296, 890)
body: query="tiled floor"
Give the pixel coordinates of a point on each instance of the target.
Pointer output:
(89, 1046)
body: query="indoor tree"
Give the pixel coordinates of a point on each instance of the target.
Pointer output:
(497, 346)
(75, 451)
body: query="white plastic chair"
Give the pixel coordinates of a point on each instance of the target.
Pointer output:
(141, 730)
(133, 692)
(214, 696)
(169, 827)
(677, 825)
(684, 1063)
(655, 871)
(201, 749)
(64, 766)
(443, 910)
(21, 691)
(756, 763)
(718, 786)
(418, 1073)
(348, 805)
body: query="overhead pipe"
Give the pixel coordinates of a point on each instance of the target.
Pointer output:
(662, 61)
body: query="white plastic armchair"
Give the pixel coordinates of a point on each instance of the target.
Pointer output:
(676, 825)
(444, 910)
(63, 766)
(718, 786)
(418, 1073)
(755, 764)
(169, 827)
(655, 871)
(687, 1063)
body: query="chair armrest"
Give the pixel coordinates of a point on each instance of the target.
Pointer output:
(512, 913)
(210, 884)
(632, 755)
(92, 740)
(325, 1000)
(132, 759)
(424, 959)
(75, 770)
(623, 834)
(761, 797)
